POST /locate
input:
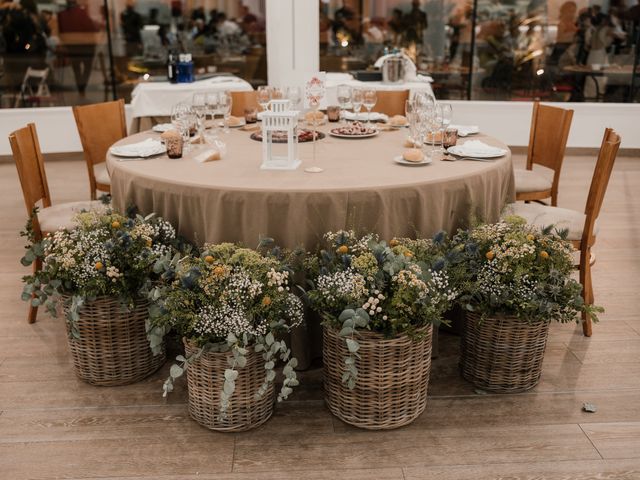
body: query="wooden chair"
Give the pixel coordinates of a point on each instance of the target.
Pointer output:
(100, 126)
(582, 226)
(547, 141)
(391, 102)
(242, 100)
(35, 190)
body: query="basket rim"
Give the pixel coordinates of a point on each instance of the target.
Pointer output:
(503, 316)
(370, 335)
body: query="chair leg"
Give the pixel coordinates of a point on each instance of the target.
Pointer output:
(33, 311)
(587, 289)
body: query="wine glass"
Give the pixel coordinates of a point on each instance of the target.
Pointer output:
(277, 93)
(294, 94)
(199, 106)
(369, 98)
(446, 110)
(263, 96)
(357, 98)
(225, 102)
(212, 100)
(344, 99)
(180, 119)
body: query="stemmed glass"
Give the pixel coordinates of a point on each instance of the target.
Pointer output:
(434, 119)
(181, 121)
(199, 106)
(447, 115)
(277, 93)
(212, 100)
(411, 112)
(263, 96)
(369, 98)
(357, 98)
(225, 101)
(294, 94)
(344, 99)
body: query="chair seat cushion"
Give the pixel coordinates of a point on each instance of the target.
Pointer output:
(528, 181)
(101, 173)
(61, 215)
(544, 216)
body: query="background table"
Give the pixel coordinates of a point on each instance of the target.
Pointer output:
(334, 79)
(361, 188)
(151, 102)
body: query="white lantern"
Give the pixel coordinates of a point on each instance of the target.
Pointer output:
(280, 119)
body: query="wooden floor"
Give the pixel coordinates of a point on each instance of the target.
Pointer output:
(54, 426)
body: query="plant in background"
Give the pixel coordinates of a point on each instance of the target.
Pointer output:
(360, 282)
(231, 299)
(519, 270)
(106, 254)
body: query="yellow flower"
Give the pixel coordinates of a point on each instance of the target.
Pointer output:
(208, 259)
(530, 237)
(218, 270)
(394, 242)
(544, 255)
(99, 265)
(148, 243)
(115, 224)
(266, 301)
(490, 255)
(408, 254)
(342, 249)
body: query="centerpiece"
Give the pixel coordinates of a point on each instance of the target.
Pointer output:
(99, 273)
(378, 304)
(519, 280)
(230, 304)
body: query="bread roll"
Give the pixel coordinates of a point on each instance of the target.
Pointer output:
(413, 155)
(169, 134)
(398, 121)
(309, 116)
(234, 121)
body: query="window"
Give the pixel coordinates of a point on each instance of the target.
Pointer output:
(551, 50)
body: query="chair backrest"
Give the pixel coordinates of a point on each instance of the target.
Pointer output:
(30, 165)
(600, 180)
(34, 84)
(548, 137)
(242, 100)
(391, 102)
(100, 126)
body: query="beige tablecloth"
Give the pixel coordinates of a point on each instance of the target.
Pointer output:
(361, 187)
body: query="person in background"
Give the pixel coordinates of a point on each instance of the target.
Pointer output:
(227, 27)
(78, 38)
(416, 22)
(132, 22)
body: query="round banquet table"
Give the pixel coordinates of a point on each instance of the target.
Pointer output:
(361, 188)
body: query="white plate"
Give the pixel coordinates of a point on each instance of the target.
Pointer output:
(459, 151)
(341, 135)
(400, 159)
(122, 151)
(466, 130)
(162, 127)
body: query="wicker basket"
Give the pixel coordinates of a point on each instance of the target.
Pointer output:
(502, 354)
(112, 348)
(205, 379)
(393, 375)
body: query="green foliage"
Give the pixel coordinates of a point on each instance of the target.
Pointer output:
(360, 282)
(516, 269)
(105, 254)
(230, 299)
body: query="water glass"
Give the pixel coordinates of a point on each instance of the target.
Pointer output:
(199, 106)
(357, 99)
(370, 98)
(294, 94)
(226, 102)
(263, 95)
(344, 98)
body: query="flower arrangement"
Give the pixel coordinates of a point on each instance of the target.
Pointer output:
(106, 254)
(360, 282)
(231, 299)
(519, 270)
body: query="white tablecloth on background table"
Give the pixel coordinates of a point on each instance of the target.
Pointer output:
(155, 99)
(333, 79)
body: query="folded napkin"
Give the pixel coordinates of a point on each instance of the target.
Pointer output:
(162, 127)
(466, 130)
(477, 147)
(146, 148)
(423, 78)
(363, 116)
(207, 155)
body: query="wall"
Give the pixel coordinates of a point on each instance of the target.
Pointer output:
(508, 121)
